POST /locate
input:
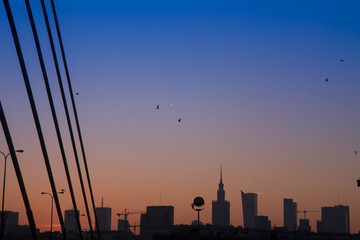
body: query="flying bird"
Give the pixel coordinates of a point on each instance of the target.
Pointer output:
(77, 93)
(341, 60)
(355, 152)
(158, 106)
(179, 120)
(326, 80)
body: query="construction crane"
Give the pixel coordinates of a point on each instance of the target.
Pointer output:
(305, 211)
(126, 213)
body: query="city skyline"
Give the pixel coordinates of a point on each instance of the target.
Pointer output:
(247, 79)
(250, 198)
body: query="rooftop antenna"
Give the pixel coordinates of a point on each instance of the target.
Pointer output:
(102, 201)
(160, 198)
(338, 199)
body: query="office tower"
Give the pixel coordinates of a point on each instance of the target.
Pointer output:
(290, 214)
(156, 220)
(11, 219)
(334, 219)
(70, 221)
(249, 202)
(262, 223)
(103, 215)
(221, 207)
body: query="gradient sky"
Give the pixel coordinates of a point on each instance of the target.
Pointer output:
(246, 77)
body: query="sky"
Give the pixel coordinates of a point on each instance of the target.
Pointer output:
(247, 78)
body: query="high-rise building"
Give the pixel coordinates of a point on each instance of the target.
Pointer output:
(221, 207)
(334, 219)
(290, 214)
(70, 221)
(156, 220)
(11, 220)
(250, 209)
(103, 215)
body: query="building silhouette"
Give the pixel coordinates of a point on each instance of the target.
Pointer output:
(11, 220)
(334, 219)
(123, 225)
(262, 223)
(304, 225)
(156, 220)
(70, 221)
(250, 209)
(103, 215)
(221, 207)
(290, 214)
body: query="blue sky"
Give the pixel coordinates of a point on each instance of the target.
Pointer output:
(246, 77)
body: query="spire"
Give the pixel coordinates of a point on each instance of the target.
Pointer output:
(221, 192)
(220, 173)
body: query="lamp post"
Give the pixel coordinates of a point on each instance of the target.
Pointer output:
(3, 196)
(198, 205)
(52, 204)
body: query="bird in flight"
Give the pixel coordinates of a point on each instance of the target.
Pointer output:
(158, 106)
(179, 120)
(77, 93)
(355, 152)
(341, 60)
(326, 80)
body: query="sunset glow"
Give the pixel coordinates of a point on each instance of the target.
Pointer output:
(247, 79)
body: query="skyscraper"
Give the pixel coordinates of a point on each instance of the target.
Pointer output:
(290, 214)
(250, 209)
(334, 219)
(104, 217)
(221, 207)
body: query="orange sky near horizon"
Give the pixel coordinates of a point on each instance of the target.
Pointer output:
(247, 79)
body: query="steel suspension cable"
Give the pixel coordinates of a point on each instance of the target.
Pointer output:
(75, 112)
(67, 115)
(35, 114)
(54, 116)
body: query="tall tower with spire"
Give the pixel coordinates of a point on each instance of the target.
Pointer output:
(104, 216)
(221, 207)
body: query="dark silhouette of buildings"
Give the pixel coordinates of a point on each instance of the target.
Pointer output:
(250, 209)
(11, 220)
(104, 217)
(334, 219)
(156, 220)
(262, 223)
(290, 214)
(221, 207)
(70, 221)
(123, 225)
(304, 225)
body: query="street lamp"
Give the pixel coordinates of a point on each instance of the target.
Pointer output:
(3, 196)
(198, 205)
(52, 204)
